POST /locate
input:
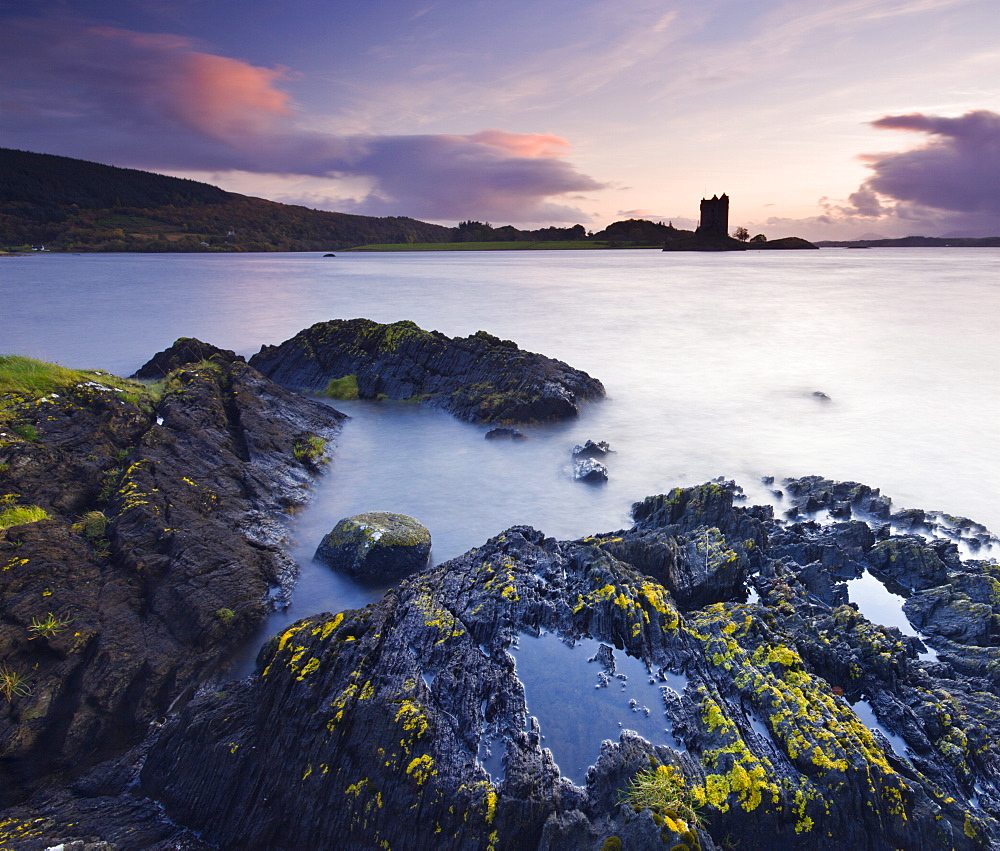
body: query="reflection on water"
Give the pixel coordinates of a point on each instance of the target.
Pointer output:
(863, 709)
(879, 605)
(579, 702)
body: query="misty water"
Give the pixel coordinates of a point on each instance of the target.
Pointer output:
(710, 362)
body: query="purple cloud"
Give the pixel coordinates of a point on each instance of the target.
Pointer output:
(957, 170)
(156, 102)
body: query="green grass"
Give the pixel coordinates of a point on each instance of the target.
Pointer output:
(342, 388)
(35, 378)
(26, 379)
(20, 515)
(565, 245)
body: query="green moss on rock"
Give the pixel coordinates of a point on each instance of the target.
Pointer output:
(376, 546)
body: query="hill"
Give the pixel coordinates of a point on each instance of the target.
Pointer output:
(916, 242)
(75, 205)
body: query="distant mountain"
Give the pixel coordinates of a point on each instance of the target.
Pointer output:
(75, 205)
(915, 242)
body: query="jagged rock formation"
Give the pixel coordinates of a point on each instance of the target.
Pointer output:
(478, 378)
(370, 728)
(377, 546)
(163, 549)
(185, 351)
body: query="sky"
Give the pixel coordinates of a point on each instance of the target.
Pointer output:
(827, 119)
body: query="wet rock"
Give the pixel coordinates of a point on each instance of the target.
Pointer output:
(377, 546)
(910, 562)
(504, 433)
(814, 493)
(186, 351)
(591, 449)
(479, 378)
(162, 552)
(385, 711)
(795, 721)
(589, 470)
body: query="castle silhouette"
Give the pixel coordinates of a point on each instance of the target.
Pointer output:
(714, 216)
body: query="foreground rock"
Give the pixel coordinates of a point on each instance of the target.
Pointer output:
(163, 549)
(376, 547)
(384, 727)
(478, 378)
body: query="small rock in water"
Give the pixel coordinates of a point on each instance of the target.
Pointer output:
(819, 394)
(504, 433)
(376, 546)
(589, 470)
(591, 449)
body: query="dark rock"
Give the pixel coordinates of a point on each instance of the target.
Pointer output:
(186, 351)
(478, 378)
(504, 433)
(164, 548)
(814, 493)
(370, 728)
(589, 470)
(591, 449)
(385, 711)
(909, 562)
(819, 394)
(329, 255)
(377, 546)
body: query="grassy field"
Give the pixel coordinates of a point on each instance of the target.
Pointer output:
(565, 245)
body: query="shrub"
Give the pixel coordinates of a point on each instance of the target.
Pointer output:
(225, 615)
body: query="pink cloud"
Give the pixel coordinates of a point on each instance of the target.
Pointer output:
(523, 144)
(153, 101)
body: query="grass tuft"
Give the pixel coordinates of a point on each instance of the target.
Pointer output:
(20, 515)
(663, 790)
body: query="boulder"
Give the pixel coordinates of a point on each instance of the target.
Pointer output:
(377, 546)
(589, 470)
(591, 449)
(479, 378)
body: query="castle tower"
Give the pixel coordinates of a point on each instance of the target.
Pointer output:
(714, 216)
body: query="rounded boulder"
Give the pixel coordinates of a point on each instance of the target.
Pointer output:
(377, 546)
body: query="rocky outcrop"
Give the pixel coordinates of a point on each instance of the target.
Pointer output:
(478, 378)
(163, 549)
(793, 721)
(377, 546)
(186, 351)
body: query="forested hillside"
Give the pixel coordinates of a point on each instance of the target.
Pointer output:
(74, 205)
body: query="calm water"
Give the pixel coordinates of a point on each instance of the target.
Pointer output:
(710, 362)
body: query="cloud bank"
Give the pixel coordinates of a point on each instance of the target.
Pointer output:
(156, 102)
(952, 181)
